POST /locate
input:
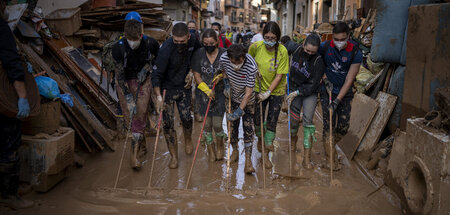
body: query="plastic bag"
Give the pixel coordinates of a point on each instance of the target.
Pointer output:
(362, 79)
(49, 89)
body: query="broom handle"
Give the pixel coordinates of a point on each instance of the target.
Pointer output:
(156, 144)
(331, 139)
(262, 135)
(289, 125)
(199, 138)
(229, 143)
(126, 138)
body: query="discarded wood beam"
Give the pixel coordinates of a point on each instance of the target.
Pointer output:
(77, 128)
(85, 119)
(375, 79)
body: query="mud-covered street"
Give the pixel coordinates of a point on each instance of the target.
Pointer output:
(88, 190)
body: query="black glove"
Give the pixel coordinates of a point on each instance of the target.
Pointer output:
(333, 106)
(328, 85)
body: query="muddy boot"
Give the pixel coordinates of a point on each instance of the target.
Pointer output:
(294, 140)
(248, 159)
(198, 118)
(265, 156)
(134, 156)
(269, 136)
(172, 146)
(210, 146)
(220, 150)
(326, 146)
(235, 155)
(142, 150)
(307, 159)
(16, 202)
(188, 147)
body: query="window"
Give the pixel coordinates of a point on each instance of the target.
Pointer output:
(241, 17)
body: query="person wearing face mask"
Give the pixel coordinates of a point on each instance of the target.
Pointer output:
(305, 73)
(239, 79)
(273, 63)
(205, 65)
(192, 26)
(134, 54)
(169, 73)
(342, 61)
(224, 42)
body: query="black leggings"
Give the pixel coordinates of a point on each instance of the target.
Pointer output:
(274, 103)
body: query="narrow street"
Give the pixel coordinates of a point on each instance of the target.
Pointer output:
(89, 190)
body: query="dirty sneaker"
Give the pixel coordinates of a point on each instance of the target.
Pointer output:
(16, 202)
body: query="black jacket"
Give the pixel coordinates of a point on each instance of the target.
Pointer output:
(135, 59)
(172, 66)
(305, 74)
(11, 61)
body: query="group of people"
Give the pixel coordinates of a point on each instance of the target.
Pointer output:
(235, 78)
(241, 84)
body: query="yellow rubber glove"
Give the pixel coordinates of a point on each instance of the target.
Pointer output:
(218, 78)
(203, 87)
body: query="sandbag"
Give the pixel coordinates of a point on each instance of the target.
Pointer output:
(9, 98)
(363, 77)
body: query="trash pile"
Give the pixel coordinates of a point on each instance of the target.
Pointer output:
(63, 50)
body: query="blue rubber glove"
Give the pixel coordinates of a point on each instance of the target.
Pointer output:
(24, 108)
(235, 115)
(226, 90)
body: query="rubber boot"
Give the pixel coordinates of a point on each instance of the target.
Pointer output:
(142, 150)
(210, 146)
(269, 136)
(172, 146)
(235, 155)
(9, 185)
(134, 156)
(248, 159)
(294, 140)
(188, 147)
(308, 139)
(326, 146)
(220, 148)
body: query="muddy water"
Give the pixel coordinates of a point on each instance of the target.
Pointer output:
(89, 190)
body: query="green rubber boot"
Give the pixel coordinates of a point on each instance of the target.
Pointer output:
(258, 134)
(220, 148)
(210, 146)
(308, 132)
(269, 136)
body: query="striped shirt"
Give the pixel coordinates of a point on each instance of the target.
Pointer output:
(239, 80)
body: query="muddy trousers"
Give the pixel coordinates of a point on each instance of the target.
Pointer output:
(140, 118)
(213, 123)
(182, 98)
(308, 104)
(247, 125)
(341, 117)
(270, 124)
(10, 135)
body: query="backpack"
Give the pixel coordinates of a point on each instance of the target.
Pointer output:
(224, 42)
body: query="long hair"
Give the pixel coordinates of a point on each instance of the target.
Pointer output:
(273, 28)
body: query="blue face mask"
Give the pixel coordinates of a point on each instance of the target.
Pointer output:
(192, 31)
(270, 43)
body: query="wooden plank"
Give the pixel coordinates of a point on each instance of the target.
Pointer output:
(363, 111)
(77, 129)
(375, 79)
(387, 103)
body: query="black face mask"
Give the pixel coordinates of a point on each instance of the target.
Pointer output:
(306, 55)
(210, 49)
(180, 47)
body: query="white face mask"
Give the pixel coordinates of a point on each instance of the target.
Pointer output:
(237, 67)
(134, 44)
(340, 44)
(217, 32)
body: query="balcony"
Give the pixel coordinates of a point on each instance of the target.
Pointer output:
(232, 3)
(218, 14)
